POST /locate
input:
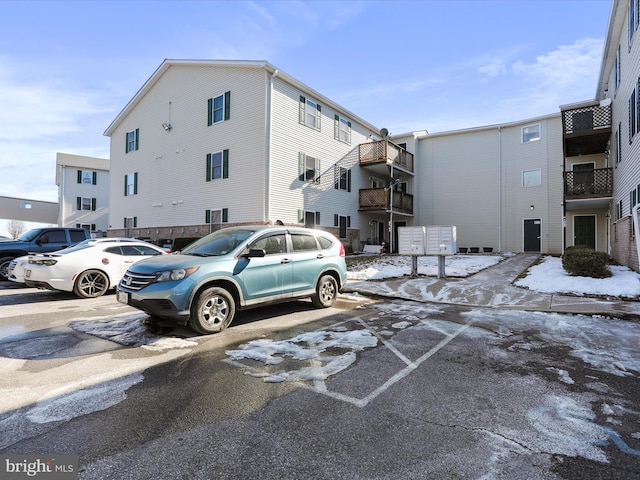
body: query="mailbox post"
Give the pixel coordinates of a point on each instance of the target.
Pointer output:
(441, 241)
(412, 241)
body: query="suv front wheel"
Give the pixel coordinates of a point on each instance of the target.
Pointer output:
(212, 311)
(326, 292)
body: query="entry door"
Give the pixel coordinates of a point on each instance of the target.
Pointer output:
(532, 234)
(584, 230)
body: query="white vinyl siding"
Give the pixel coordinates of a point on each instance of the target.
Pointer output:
(171, 178)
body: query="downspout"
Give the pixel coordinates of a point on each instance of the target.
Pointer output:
(500, 188)
(266, 214)
(61, 199)
(636, 229)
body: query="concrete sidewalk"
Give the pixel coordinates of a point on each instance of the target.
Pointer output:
(493, 287)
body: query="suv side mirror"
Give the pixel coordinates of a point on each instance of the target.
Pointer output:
(255, 253)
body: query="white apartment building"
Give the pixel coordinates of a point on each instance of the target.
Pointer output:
(500, 185)
(616, 143)
(206, 144)
(83, 192)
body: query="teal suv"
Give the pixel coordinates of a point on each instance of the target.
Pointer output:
(233, 269)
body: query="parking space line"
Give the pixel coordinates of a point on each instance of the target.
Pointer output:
(320, 386)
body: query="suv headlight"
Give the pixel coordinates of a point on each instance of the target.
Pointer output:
(175, 274)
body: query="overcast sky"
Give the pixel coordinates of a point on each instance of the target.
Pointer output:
(68, 68)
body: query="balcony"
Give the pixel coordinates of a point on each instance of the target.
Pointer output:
(385, 153)
(379, 199)
(588, 188)
(587, 129)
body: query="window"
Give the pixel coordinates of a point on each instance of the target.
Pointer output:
(633, 115)
(91, 227)
(309, 113)
(618, 144)
(619, 210)
(216, 216)
(26, 205)
(531, 133)
(531, 178)
(633, 18)
(308, 218)
(133, 140)
(342, 178)
(308, 168)
(343, 223)
(342, 129)
(131, 184)
(272, 244)
(219, 108)
(217, 165)
(632, 200)
(616, 71)
(303, 243)
(130, 222)
(85, 203)
(87, 177)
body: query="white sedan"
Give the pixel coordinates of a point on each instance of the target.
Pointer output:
(89, 268)
(15, 271)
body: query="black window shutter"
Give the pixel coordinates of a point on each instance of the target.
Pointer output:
(207, 216)
(227, 105)
(79, 203)
(77, 225)
(135, 221)
(93, 227)
(348, 221)
(125, 222)
(225, 163)
(135, 183)
(79, 176)
(125, 185)
(225, 215)
(93, 204)
(94, 178)
(335, 219)
(137, 145)
(126, 142)
(349, 180)
(208, 167)
(317, 218)
(209, 112)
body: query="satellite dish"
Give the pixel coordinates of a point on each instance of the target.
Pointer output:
(384, 133)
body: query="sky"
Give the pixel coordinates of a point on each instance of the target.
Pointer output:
(67, 68)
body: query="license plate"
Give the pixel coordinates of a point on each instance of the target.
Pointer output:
(27, 273)
(122, 297)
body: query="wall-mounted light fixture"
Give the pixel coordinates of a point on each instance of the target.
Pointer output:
(532, 207)
(166, 126)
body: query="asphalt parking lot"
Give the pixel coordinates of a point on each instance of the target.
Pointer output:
(390, 389)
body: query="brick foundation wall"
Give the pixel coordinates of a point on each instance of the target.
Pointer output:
(623, 243)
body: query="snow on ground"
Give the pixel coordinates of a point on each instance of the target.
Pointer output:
(393, 266)
(550, 277)
(547, 277)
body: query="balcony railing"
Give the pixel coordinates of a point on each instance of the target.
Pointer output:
(384, 151)
(380, 199)
(588, 183)
(586, 129)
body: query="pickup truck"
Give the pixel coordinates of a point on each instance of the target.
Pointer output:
(39, 240)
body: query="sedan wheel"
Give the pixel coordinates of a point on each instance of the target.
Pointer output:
(212, 311)
(91, 284)
(4, 267)
(326, 292)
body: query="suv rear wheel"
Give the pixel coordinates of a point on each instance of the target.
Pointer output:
(326, 292)
(212, 311)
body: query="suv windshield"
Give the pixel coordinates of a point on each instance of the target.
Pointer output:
(218, 243)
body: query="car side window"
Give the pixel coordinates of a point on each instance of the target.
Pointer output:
(303, 243)
(113, 250)
(53, 236)
(138, 250)
(272, 244)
